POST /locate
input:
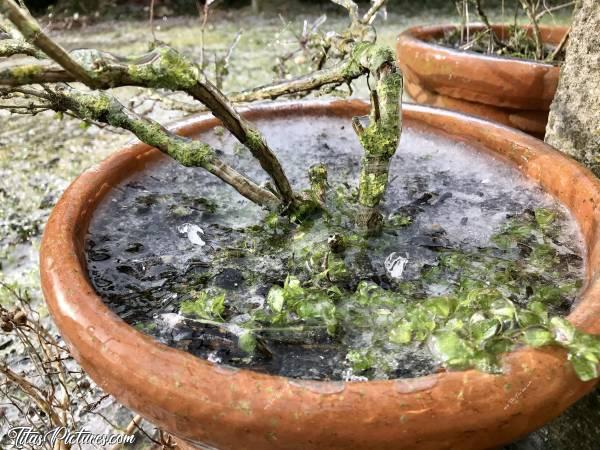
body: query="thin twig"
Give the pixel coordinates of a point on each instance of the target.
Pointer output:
(560, 46)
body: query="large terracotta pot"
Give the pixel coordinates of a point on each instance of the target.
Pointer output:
(511, 91)
(206, 404)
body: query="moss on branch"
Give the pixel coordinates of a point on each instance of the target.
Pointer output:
(168, 69)
(101, 107)
(380, 137)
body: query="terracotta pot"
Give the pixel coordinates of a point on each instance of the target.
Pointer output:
(511, 91)
(206, 404)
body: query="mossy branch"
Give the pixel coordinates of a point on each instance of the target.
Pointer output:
(379, 133)
(11, 47)
(103, 108)
(164, 68)
(32, 32)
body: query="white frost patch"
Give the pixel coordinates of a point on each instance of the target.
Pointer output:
(395, 264)
(348, 375)
(214, 358)
(171, 320)
(193, 233)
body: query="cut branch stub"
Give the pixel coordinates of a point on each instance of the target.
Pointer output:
(379, 134)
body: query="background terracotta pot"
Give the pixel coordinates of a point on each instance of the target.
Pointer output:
(511, 91)
(204, 403)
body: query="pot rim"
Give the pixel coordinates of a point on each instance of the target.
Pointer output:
(182, 393)
(416, 35)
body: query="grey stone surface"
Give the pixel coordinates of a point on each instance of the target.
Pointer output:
(574, 122)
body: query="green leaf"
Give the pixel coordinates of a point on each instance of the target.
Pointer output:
(503, 308)
(440, 306)
(563, 330)
(451, 349)
(538, 337)
(401, 333)
(275, 299)
(398, 221)
(544, 217)
(422, 323)
(498, 344)
(540, 310)
(292, 290)
(483, 330)
(217, 305)
(359, 360)
(485, 362)
(547, 294)
(528, 318)
(586, 369)
(247, 342)
(204, 306)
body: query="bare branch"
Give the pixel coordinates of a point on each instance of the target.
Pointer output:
(560, 46)
(351, 6)
(551, 9)
(529, 8)
(33, 393)
(371, 14)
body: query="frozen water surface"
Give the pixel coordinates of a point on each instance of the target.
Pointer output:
(156, 236)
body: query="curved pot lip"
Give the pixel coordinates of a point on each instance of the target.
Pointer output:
(177, 390)
(417, 36)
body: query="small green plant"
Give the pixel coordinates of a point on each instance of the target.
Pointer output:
(496, 300)
(204, 306)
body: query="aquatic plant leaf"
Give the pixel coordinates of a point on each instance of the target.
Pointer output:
(544, 217)
(498, 344)
(585, 368)
(275, 299)
(485, 362)
(401, 333)
(292, 289)
(503, 308)
(529, 318)
(204, 306)
(543, 256)
(454, 261)
(539, 309)
(563, 330)
(547, 294)
(482, 330)
(247, 342)
(359, 360)
(451, 349)
(399, 220)
(538, 337)
(441, 306)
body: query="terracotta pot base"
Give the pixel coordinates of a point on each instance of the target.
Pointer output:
(227, 408)
(530, 121)
(511, 91)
